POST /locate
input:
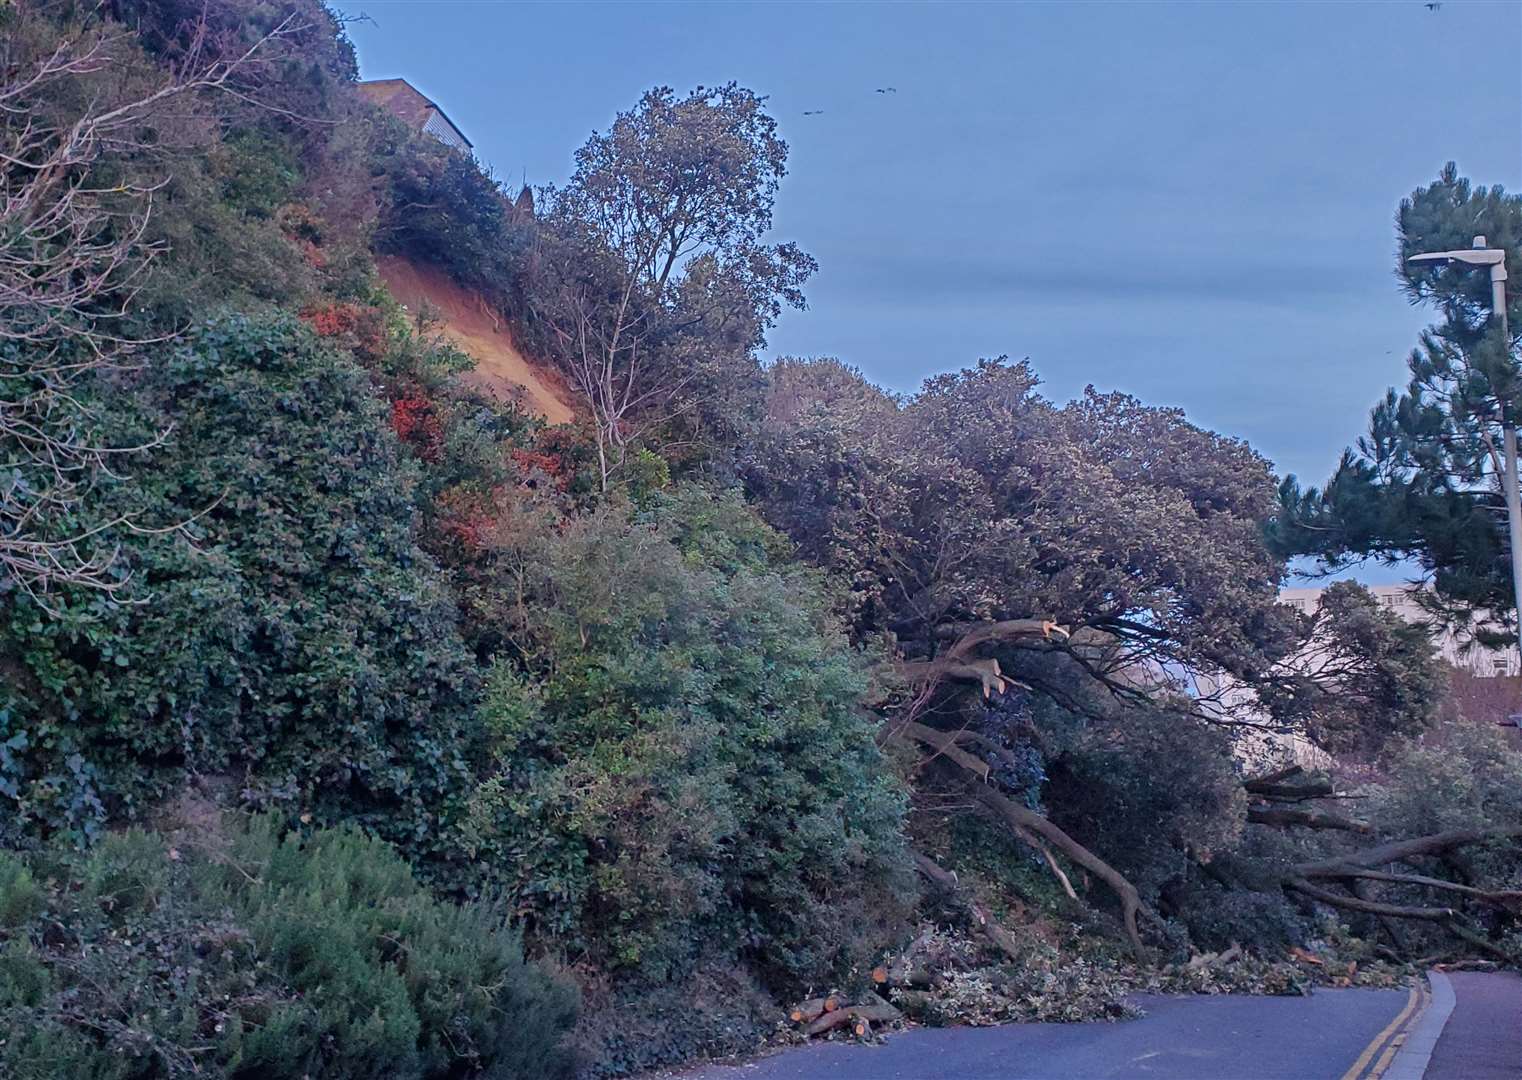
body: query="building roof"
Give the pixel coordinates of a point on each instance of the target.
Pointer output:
(407, 103)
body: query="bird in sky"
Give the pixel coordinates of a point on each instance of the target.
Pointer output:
(813, 112)
(1434, 5)
(887, 89)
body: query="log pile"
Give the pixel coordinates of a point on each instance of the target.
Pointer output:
(820, 1016)
(901, 984)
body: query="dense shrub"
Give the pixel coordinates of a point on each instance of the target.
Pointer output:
(290, 629)
(628, 1030)
(1153, 793)
(242, 954)
(681, 768)
(1460, 775)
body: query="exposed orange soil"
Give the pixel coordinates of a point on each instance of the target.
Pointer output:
(470, 325)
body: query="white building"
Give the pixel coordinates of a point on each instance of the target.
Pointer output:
(1461, 652)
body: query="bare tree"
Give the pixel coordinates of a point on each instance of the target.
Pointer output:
(657, 236)
(72, 257)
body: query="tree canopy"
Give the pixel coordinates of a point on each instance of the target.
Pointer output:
(654, 275)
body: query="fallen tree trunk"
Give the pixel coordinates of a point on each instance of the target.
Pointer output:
(970, 635)
(985, 673)
(1505, 898)
(882, 1014)
(1273, 778)
(1296, 792)
(1356, 867)
(944, 743)
(1402, 850)
(1025, 822)
(1020, 817)
(1479, 941)
(1370, 907)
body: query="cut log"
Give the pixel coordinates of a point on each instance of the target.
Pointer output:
(806, 1012)
(861, 1028)
(881, 1013)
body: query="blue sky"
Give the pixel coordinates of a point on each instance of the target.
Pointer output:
(1189, 202)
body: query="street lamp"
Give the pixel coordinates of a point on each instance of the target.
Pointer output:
(1495, 258)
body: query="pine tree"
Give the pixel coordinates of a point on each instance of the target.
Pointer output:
(1426, 482)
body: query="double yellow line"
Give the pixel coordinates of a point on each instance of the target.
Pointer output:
(1391, 1038)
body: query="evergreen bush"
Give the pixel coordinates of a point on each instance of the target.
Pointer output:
(289, 631)
(239, 953)
(682, 772)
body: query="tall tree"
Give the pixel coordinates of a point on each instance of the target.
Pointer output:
(1426, 482)
(657, 239)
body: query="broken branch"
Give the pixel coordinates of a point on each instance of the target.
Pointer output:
(1310, 819)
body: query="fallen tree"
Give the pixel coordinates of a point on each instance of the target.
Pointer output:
(1352, 869)
(1106, 560)
(1029, 826)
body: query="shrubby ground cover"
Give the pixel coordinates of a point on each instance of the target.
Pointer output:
(745, 682)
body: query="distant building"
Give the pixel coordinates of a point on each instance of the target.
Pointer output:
(404, 101)
(1402, 600)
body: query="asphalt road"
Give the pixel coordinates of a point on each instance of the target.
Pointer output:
(1320, 1037)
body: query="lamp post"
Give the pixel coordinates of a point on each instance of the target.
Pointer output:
(1495, 258)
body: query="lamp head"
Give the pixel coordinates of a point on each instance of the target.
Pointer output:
(1475, 256)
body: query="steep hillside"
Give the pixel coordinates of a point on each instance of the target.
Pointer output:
(468, 322)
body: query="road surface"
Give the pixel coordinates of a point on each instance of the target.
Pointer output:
(1482, 1040)
(1331, 1035)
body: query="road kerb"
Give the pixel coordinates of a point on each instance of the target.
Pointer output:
(1416, 1052)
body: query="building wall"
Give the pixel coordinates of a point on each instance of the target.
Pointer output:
(444, 131)
(1402, 600)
